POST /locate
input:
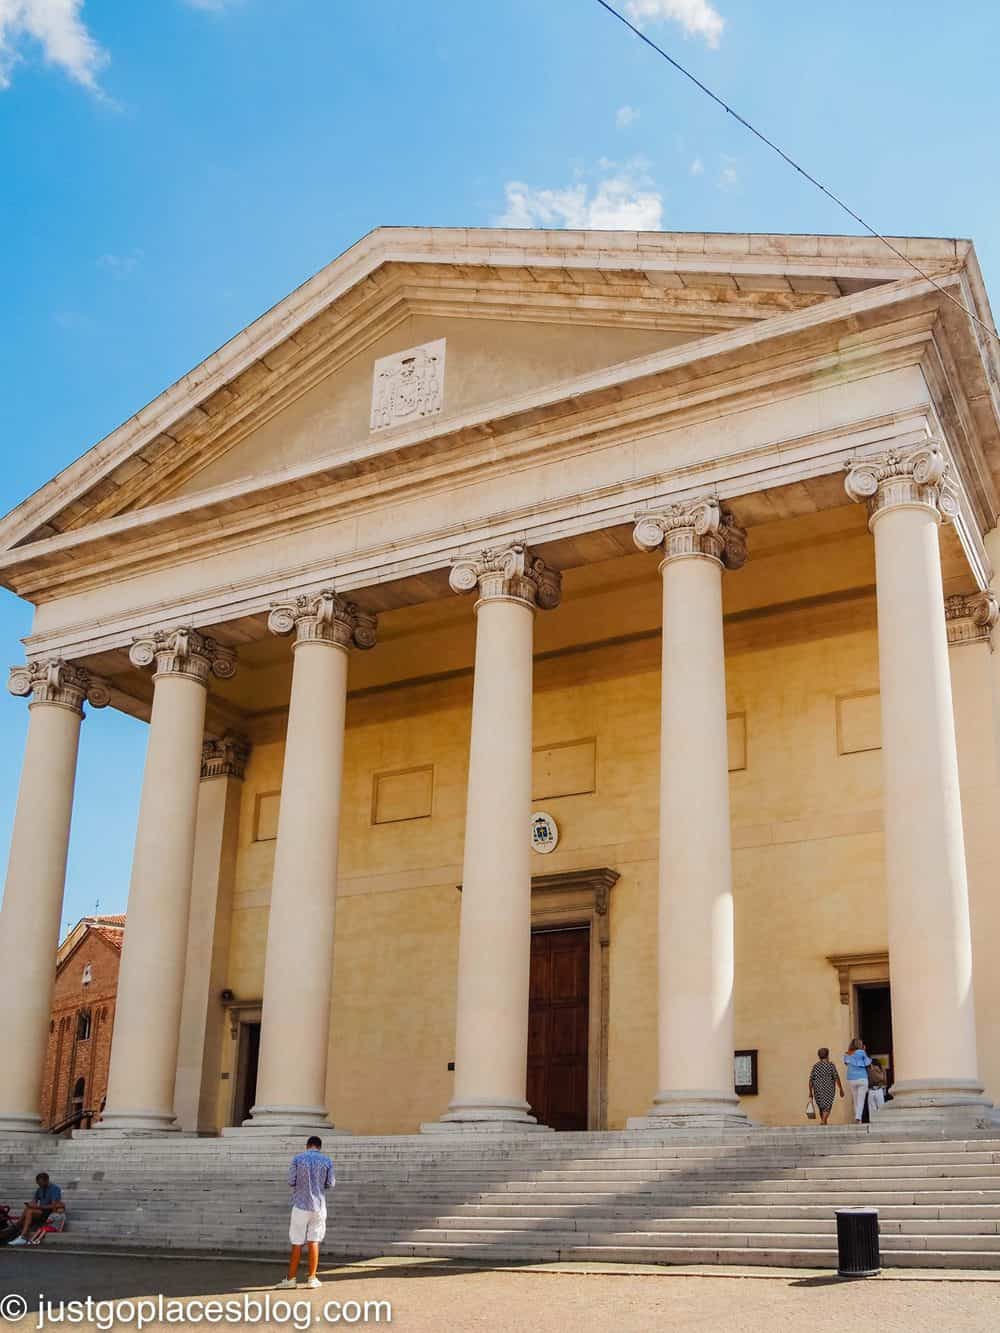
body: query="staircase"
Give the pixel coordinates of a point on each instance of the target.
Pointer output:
(765, 1197)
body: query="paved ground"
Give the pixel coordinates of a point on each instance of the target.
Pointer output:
(439, 1298)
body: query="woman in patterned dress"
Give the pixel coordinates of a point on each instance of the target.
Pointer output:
(824, 1079)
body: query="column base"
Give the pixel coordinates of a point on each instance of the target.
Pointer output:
(486, 1116)
(693, 1109)
(286, 1120)
(20, 1122)
(137, 1122)
(939, 1102)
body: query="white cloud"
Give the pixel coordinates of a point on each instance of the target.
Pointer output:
(626, 116)
(729, 177)
(624, 202)
(58, 28)
(121, 266)
(697, 167)
(697, 17)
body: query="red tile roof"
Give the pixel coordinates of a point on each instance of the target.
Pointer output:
(111, 935)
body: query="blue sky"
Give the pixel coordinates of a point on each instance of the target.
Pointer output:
(173, 168)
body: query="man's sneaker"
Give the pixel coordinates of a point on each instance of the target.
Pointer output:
(285, 1283)
(18, 1240)
(312, 1282)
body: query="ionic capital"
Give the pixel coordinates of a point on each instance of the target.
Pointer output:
(57, 682)
(919, 475)
(693, 528)
(225, 756)
(183, 652)
(324, 617)
(970, 619)
(508, 573)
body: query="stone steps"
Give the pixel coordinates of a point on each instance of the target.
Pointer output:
(766, 1199)
(110, 1219)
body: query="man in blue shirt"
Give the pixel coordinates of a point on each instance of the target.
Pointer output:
(46, 1200)
(310, 1176)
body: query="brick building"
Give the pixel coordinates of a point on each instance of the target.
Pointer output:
(83, 1014)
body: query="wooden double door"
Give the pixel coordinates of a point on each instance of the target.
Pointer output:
(559, 1027)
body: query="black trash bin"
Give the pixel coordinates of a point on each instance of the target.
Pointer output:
(857, 1242)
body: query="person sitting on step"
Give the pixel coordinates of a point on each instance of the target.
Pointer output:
(46, 1200)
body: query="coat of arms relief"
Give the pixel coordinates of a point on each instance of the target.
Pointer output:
(408, 385)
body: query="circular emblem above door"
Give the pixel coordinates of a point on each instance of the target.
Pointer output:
(544, 832)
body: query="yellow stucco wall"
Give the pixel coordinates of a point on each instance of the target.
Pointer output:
(806, 823)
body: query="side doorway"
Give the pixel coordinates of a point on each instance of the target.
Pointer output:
(247, 1058)
(873, 1007)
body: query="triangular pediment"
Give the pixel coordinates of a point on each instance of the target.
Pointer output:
(507, 314)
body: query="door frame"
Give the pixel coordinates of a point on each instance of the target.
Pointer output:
(859, 969)
(583, 898)
(241, 1016)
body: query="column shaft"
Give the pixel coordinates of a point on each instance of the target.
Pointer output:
(298, 971)
(695, 894)
(151, 978)
(298, 964)
(32, 907)
(695, 887)
(930, 947)
(930, 950)
(992, 543)
(491, 1036)
(494, 943)
(203, 1019)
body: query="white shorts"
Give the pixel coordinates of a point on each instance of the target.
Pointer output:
(306, 1227)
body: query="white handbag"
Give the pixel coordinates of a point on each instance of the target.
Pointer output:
(810, 1110)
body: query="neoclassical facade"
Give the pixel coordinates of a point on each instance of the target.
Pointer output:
(569, 667)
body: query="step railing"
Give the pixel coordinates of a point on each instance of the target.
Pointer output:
(74, 1121)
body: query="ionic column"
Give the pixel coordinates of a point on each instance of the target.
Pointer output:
(36, 876)
(494, 945)
(992, 543)
(151, 978)
(695, 912)
(203, 1019)
(298, 965)
(907, 492)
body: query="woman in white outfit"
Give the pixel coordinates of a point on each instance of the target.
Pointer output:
(857, 1061)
